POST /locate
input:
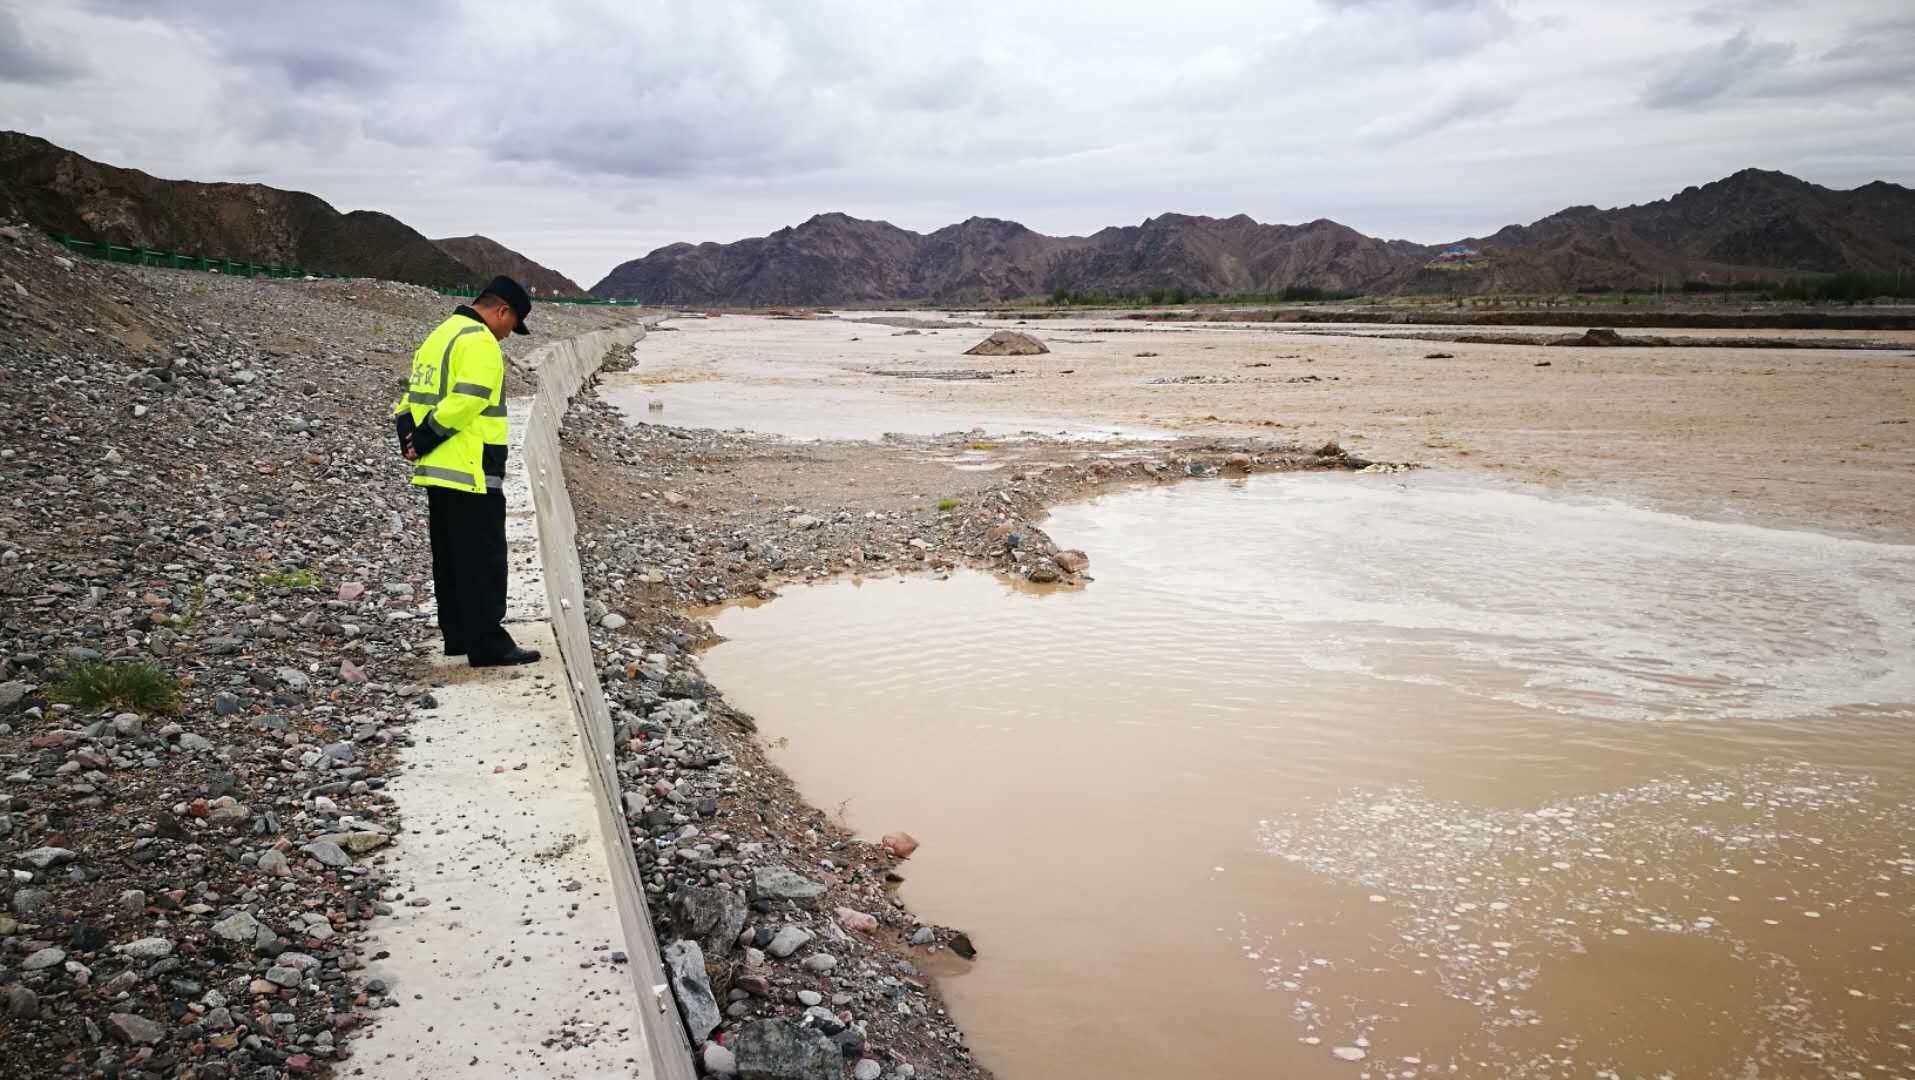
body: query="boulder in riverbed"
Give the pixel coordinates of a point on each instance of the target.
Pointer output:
(1007, 343)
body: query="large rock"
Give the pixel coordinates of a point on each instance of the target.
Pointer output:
(1007, 343)
(713, 916)
(785, 1050)
(780, 883)
(691, 986)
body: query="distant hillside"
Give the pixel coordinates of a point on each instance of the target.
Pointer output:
(488, 258)
(63, 192)
(1751, 224)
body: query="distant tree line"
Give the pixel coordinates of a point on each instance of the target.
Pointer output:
(1173, 295)
(1851, 286)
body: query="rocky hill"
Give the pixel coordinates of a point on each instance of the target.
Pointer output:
(62, 192)
(487, 257)
(1751, 224)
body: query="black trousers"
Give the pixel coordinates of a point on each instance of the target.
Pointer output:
(468, 571)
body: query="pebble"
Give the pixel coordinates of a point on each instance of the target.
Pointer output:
(788, 940)
(867, 1069)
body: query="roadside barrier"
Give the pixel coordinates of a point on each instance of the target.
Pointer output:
(563, 367)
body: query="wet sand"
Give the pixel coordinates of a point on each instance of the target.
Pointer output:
(1820, 439)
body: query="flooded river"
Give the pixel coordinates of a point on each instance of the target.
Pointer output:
(1386, 777)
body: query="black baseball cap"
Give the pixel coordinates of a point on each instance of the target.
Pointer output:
(515, 298)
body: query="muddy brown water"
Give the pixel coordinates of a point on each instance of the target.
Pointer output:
(1367, 777)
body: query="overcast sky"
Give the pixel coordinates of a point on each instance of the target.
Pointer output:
(586, 133)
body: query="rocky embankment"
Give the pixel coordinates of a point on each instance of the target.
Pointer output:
(214, 604)
(793, 956)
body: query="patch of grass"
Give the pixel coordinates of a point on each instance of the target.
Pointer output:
(983, 446)
(135, 687)
(297, 577)
(948, 504)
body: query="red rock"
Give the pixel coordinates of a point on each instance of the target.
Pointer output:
(899, 844)
(852, 919)
(1071, 561)
(349, 672)
(351, 590)
(755, 985)
(300, 1063)
(47, 742)
(198, 808)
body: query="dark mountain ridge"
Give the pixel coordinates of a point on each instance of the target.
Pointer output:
(63, 192)
(1749, 224)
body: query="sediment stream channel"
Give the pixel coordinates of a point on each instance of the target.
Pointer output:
(1385, 776)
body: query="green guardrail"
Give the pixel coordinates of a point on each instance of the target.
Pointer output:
(173, 260)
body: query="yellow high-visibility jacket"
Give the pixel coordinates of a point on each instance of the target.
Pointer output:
(454, 407)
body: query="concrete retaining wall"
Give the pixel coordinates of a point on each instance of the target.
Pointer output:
(563, 367)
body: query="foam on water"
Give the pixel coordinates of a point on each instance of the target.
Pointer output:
(1591, 608)
(1756, 861)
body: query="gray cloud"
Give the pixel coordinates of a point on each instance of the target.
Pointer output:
(25, 60)
(588, 131)
(1711, 71)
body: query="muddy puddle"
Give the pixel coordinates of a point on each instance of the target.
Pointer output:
(1359, 777)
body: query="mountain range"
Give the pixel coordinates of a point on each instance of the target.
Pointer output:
(63, 192)
(1752, 224)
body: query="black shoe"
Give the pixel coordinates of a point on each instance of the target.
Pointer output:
(518, 655)
(450, 651)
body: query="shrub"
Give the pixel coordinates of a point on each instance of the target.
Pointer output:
(297, 577)
(948, 504)
(136, 687)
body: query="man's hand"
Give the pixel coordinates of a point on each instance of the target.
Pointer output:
(411, 454)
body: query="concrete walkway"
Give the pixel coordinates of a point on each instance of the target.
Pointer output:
(516, 965)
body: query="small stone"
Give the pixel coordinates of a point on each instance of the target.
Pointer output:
(152, 948)
(784, 1049)
(43, 959)
(852, 919)
(691, 987)
(225, 704)
(867, 1069)
(238, 927)
(810, 997)
(788, 940)
(612, 621)
(45, 858)
(328, 853)
(1071, 561)
(924, 936)
(961, 945)
(819, 963)
(899, 844)
(283, 976)
(132, 903)
(1350, 1053)
(128, 725)
(720, 1061)
(134, 1030)
(351, 590)
(274, 862)
(349, 672)
(23, 1004)
(779, 883)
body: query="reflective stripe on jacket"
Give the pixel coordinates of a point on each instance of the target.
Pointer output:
(456, 404)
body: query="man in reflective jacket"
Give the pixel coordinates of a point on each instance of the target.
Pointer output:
(452, 427)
